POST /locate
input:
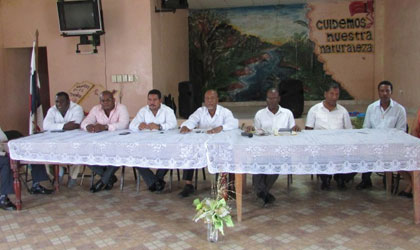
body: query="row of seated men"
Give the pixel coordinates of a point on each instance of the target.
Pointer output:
(110, 115)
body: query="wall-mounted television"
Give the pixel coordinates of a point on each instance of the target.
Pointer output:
(80, 17)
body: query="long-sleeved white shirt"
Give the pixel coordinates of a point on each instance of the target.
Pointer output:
(3, 138)
(201, 119)
(55, 121)
(165, 117)
(269, 122)
(319, 117)
(393, 117)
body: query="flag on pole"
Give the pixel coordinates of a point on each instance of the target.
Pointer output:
(36, 117)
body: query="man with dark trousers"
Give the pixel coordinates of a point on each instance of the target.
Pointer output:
(384, 113)
(107, 116)
(154, 116)
(6, 177)
(328, 114)
(212, 117)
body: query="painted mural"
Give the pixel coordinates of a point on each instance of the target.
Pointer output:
(242, 52)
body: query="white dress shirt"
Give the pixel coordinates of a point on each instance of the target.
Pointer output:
(55, 121)
(319, 117)
(269, 122)
(393, 117)
(3, 138)
(165, 117)
(201, 119)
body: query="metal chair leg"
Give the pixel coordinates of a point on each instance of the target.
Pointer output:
(196, 178)
(122, 178)
(171, 172)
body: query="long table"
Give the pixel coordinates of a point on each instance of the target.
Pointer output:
(308, 152)
(316, 152)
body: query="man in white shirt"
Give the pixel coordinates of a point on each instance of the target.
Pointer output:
(6, 177)
(64, 115)
(328, 114)
(212, 117)
(384, 113)
(154, 116)
(270, 120)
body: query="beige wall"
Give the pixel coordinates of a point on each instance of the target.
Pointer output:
(402, 51)
(354, 71)
(15, 115)
(170, 51)
(126, 48)
(2, 87)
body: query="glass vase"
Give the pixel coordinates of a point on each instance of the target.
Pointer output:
(212, 233)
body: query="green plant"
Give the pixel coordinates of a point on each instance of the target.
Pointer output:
(215, 210)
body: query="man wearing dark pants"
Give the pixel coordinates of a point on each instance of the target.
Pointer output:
(328, 114)
(6, 177)
(384, 113)
(155, 116)
(107, 116)
(269, 120)
(212, 117)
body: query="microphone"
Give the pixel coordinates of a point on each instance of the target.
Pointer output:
(250, 135)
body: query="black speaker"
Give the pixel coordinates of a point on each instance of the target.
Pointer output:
(175, 4)
(186, 99)
(291, 93)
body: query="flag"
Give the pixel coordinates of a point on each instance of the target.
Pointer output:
(36, 117)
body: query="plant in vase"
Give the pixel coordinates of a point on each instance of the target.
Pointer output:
(214, 211)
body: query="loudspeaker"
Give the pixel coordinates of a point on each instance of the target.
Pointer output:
(175, 4)
(186, 99)
(291, 93)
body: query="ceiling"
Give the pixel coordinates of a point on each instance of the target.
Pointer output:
(210, 4)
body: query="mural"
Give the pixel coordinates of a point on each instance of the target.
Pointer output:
(242, 52)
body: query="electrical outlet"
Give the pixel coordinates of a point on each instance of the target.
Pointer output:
(114, 78)
(119, 78)
(124, 78)
(130, 78)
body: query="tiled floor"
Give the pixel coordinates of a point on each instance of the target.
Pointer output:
(301, 218)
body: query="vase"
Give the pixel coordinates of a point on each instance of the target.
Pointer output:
(212, 233)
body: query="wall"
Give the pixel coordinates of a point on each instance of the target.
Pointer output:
(402, 51)
(170, 51)
(125, 48)
(15, 115)
(2, 87)
(354, 71)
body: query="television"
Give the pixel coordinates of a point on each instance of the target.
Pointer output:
(174, 4)
(80, 17)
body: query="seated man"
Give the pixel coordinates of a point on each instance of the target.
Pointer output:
(384, 113)
(154, 116)
(6, 177)
(270, 119)
(328, 114)
(64, 115)
(108, 115)
(213, 117)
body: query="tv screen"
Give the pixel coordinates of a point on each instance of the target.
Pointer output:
(80, 17)
(175, 4)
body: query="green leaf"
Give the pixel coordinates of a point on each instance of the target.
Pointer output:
(228, 221)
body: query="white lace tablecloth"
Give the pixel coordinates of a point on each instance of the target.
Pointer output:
(153, 149)
(314, 152)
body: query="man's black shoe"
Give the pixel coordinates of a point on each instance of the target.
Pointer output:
(152, 187)
(97, 187)
(325, 186)
(40, 190)
(160, 185)
(188, 189)
(364, 185)
(341, 184)
(269, 198)
(6, 204)
(406, 194)
(111, 182)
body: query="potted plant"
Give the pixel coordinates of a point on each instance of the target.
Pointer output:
(214, 211)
